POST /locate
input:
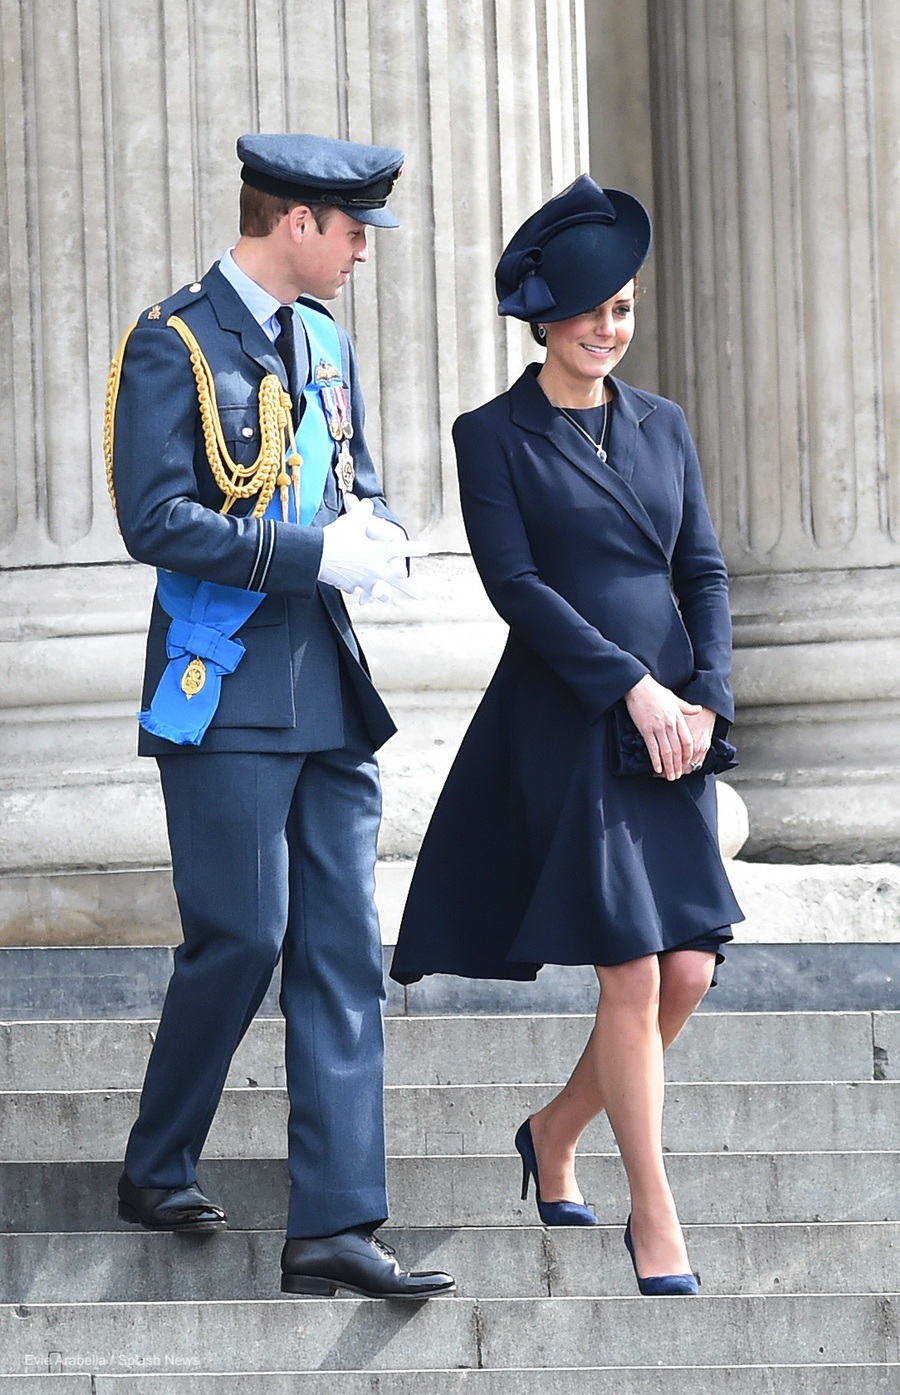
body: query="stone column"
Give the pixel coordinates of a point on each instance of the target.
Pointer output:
(776, 153)
(117, 131)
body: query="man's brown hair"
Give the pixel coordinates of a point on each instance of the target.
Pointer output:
(260, 212)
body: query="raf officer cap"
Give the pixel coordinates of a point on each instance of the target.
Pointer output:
(316, 169)
(574, 253)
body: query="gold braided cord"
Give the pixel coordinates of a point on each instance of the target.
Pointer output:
(241, 481)
(109, 413)
(235, 481)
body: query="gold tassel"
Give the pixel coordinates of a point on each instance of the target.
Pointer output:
(295, 461)
(284, 483)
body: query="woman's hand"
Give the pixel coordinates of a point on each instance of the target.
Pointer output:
(664, 721)
(702, 731)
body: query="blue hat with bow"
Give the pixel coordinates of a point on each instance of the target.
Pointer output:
(575, 252)
(317, 169)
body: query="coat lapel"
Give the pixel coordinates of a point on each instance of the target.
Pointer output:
(532, 411)
(232, 314)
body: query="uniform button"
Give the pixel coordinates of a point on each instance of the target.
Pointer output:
(247, 431)
(196, 287)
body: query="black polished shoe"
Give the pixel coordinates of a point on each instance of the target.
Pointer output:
(183, 1209)
(356, 1261)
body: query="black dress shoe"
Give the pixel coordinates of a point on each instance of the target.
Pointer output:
(356, 1261)
(169, 1208)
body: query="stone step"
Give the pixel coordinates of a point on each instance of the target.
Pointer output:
(674, 1380)
(711, 1188)
(109, 1054)
(115, 981)
(354, 1334)
(92, 1125)
(489, 1262)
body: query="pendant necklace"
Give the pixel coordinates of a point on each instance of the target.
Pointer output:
(597, 445)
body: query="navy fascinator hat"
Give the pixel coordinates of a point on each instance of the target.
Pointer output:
(575, 252)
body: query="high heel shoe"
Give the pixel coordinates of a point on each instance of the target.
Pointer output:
(661, 1285)
(550, 1212)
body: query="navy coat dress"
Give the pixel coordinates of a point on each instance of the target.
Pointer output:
(537, 853)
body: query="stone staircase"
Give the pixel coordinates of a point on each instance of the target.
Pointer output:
(784, 1138)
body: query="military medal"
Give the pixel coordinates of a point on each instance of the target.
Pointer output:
(345, 469)
(337, 412)
(336, 406)
(193, 678)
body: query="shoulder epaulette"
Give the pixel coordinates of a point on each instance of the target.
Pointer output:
(158, 314)
(155, 315)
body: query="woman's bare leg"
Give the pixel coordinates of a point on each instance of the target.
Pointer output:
(685, 976)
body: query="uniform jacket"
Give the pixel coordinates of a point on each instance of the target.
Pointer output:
(537, 852)
(285, 694)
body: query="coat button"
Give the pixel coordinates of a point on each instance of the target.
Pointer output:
(247, 431)
(195, 287)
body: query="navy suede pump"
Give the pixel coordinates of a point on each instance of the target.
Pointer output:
(661, 1285)
(550, 1212)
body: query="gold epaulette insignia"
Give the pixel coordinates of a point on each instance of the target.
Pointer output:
(155, 313)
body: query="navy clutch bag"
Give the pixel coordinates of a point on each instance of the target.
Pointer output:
(628, 755)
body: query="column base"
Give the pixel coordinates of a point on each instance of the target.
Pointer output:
(817, 683)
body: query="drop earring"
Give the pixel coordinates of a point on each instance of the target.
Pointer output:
(542, 333)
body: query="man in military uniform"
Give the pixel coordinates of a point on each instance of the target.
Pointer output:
(238, 465)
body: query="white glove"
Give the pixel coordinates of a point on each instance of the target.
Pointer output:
(384, 530)
(352, 560)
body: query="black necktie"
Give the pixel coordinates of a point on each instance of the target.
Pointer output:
(285, 346)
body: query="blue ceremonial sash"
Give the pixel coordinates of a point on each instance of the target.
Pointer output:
(205, 614)
(314, 440)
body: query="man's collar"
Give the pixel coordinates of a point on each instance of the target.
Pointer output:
(261, 304)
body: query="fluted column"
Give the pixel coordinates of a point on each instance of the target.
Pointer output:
(117, 131)
(776, 152)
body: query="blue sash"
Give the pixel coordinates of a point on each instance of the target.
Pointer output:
(205, 614)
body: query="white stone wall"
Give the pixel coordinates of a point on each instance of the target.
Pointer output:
(764, 137)
(121, 183)
(778, 193)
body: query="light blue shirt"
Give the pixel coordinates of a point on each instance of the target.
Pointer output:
(262, 306)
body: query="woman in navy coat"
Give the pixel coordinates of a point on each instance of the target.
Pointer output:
(578, 824)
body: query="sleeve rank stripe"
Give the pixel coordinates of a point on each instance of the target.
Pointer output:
(265, 546)
(264, 550)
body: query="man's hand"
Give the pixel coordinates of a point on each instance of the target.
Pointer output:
(355, 560)
(663, 719)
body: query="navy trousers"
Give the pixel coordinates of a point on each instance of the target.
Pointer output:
(274, 854)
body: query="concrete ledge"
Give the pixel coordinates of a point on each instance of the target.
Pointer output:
(137, 907)
(819, 904)
(472, 1120)
(490, 1334)
(589, 1380)
(754, 978)
(47, 1385)
(783, 903)
(712, 1189)
(101, 1055)
(130, 982)
(488, 1262)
